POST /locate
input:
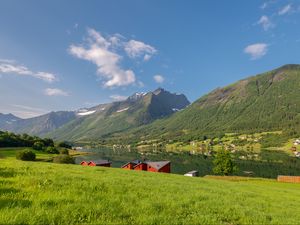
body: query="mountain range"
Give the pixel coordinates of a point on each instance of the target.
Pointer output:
(268, 101)
(103, 119)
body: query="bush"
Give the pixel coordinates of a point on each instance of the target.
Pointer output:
(64, 151)
(38, 145)
(52, 150)
(64, 159)
(64, 145)
(26, 155)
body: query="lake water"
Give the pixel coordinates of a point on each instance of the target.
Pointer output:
(180, 162)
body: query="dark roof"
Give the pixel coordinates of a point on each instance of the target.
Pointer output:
(101, 162)
(137, 161)
(158, 165)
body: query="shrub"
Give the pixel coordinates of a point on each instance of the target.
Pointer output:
(64, 145)
(26, 155)
(64, 159)
(52, 150)
(38, 145)
(64, 151)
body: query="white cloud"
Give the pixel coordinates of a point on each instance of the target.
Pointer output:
(159, 79)
(99, 51)
(257, 50)
(147, 57)
(264, 5)
(10, 67)
(118, 97)
(265, 22)
(136, 49)
(286, 9)
(55, 92)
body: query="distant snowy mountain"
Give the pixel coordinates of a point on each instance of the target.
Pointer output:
(92, 123)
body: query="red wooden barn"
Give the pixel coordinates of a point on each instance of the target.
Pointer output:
(141, 166)
(131, 165)
(161, 166)
(104, 163)
(84, 163)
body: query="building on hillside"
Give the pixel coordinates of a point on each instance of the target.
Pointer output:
(104, 163)
(297, 142)
(193, 173)
(84, 163)
(160, 166)
(293, 148)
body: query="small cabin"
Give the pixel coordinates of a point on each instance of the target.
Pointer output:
(288, 179)
(193, 173)
(104, 163)
(160, 166)
(141, 166)
(84, 163)
(130, 165)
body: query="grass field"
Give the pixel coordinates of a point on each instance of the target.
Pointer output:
(47, 193)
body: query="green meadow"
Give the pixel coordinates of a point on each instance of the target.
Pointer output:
(47, 193)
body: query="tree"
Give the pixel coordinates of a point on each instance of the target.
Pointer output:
(223, 163)
(64, 145)
(52, 150)
(38, 145)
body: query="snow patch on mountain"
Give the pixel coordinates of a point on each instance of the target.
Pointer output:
(122, 110)
(85, 112)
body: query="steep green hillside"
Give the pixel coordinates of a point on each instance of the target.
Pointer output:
(138, 109)
(269, 101)
(46, 193)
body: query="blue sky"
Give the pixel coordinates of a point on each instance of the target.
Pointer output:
(65, 55)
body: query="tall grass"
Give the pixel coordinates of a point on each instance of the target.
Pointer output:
(47, 193)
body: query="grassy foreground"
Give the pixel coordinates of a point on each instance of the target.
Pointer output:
(47, 193)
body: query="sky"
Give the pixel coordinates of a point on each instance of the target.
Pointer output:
(66, 55)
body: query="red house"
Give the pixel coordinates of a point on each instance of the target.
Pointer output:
(161, 166)
(84, 163)
(141, 166)
(130, 165)
(104, 163)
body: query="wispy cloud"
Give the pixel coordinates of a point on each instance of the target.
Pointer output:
(136, 49)
(159, 78)
(266, 4)
(257, 50)
(11, 67)
(284, 10)
(99, 51)
(265, 22)
(118, 97)
(55, 92)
